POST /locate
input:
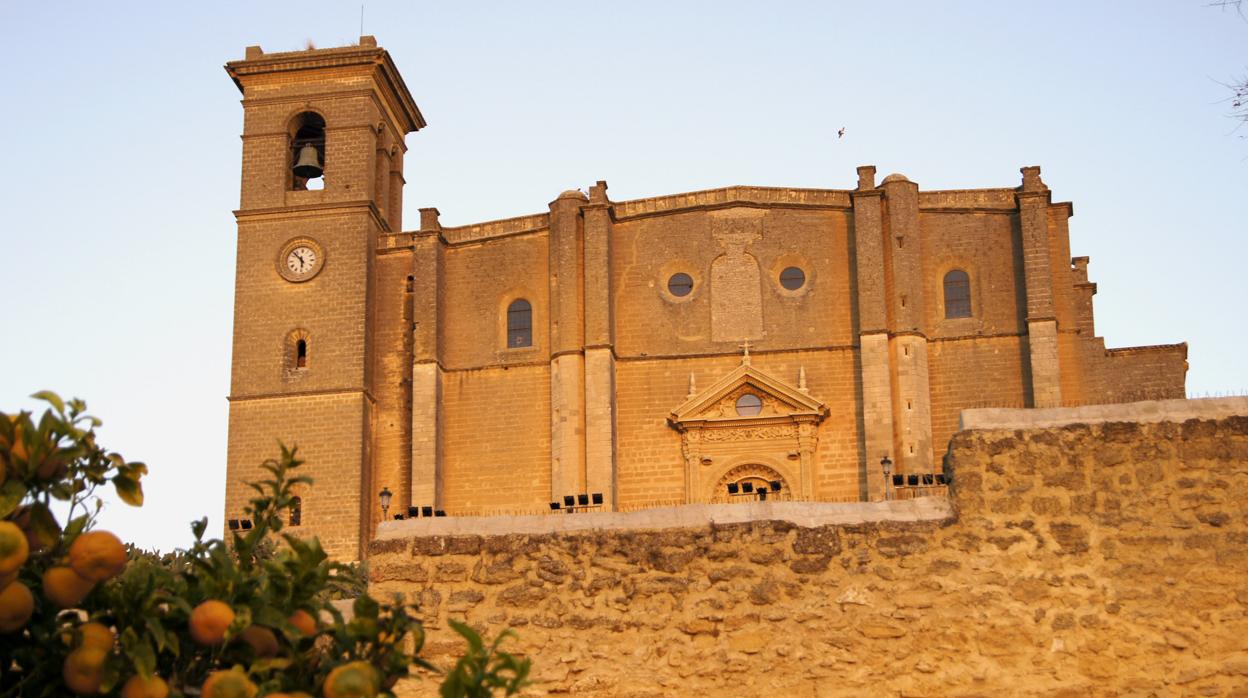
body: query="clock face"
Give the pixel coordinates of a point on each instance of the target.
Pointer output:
(300, 259)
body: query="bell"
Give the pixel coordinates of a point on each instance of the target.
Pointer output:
(308, 165)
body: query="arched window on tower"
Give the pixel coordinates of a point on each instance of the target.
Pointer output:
(957, 294)
(296, 352)
(296, 511)
(307, 152)
(519, 324)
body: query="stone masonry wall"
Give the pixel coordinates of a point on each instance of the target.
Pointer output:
(1107, 559)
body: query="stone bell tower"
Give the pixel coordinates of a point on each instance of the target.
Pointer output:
(322, 178)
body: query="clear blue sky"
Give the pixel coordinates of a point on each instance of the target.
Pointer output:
(121, 161)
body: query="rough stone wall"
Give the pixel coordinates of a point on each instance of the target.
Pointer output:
(1099, 560)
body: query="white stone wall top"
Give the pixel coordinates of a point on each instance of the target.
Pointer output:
(805, 514)
(1146, 411)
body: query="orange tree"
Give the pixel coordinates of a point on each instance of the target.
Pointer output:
(81, 614)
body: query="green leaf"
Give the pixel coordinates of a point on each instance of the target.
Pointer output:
(276, 663)
(43, 525)
(51, 398)
(158, 633)
(129, 489)
(198, 527)
(139, 650)
(366, 607)
(242, 619)
(11, 495)
(112, 673)
(75, 527)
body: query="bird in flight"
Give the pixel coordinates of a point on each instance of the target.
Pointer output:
(841, 133)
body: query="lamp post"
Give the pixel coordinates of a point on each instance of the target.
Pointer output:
(887, 465)
(384, 495)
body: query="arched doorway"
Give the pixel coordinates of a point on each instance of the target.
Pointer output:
(758, 477)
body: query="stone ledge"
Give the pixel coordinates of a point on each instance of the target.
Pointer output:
(1148, 411)
(804, 514)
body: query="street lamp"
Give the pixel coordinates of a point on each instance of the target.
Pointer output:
(887, 465)
(384, 495)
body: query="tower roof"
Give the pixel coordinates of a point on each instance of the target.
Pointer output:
(361, 56)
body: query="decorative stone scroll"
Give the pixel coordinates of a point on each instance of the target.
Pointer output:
(748, 433)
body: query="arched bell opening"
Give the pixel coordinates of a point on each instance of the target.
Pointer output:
(307, 152)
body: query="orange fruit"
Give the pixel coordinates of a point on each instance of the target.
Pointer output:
(14, 548)
(63, 587)
(353, 680)
(210, 620)
(228, 684)
(139, 687)
(261, 639)
(84, 670)
(7, 579)
(97, 555)
(303, 622)
(97, 636)
(16, 606)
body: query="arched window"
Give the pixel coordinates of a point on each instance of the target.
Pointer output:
(307, 151)
(519, 324)
(295, 353)
(296, 511)
(957, 294)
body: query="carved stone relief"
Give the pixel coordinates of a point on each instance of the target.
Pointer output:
(736, 284)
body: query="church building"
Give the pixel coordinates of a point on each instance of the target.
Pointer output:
(642, 353)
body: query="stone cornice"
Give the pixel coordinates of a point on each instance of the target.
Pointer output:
(940, 201)
(390, 82)
(1149, 349)
(800, 407)
(283, 212)
(302, 394)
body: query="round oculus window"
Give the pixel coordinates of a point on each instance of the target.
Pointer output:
(749, 405)
(680, 285)
(792, 278)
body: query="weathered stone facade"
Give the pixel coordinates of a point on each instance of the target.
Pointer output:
(389, 363)
(1083, 560)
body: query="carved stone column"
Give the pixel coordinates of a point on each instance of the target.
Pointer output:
(693, 480)
(806, 441)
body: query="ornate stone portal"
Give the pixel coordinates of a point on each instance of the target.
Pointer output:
(749, 425)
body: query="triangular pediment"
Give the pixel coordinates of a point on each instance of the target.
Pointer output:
(717, 404)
